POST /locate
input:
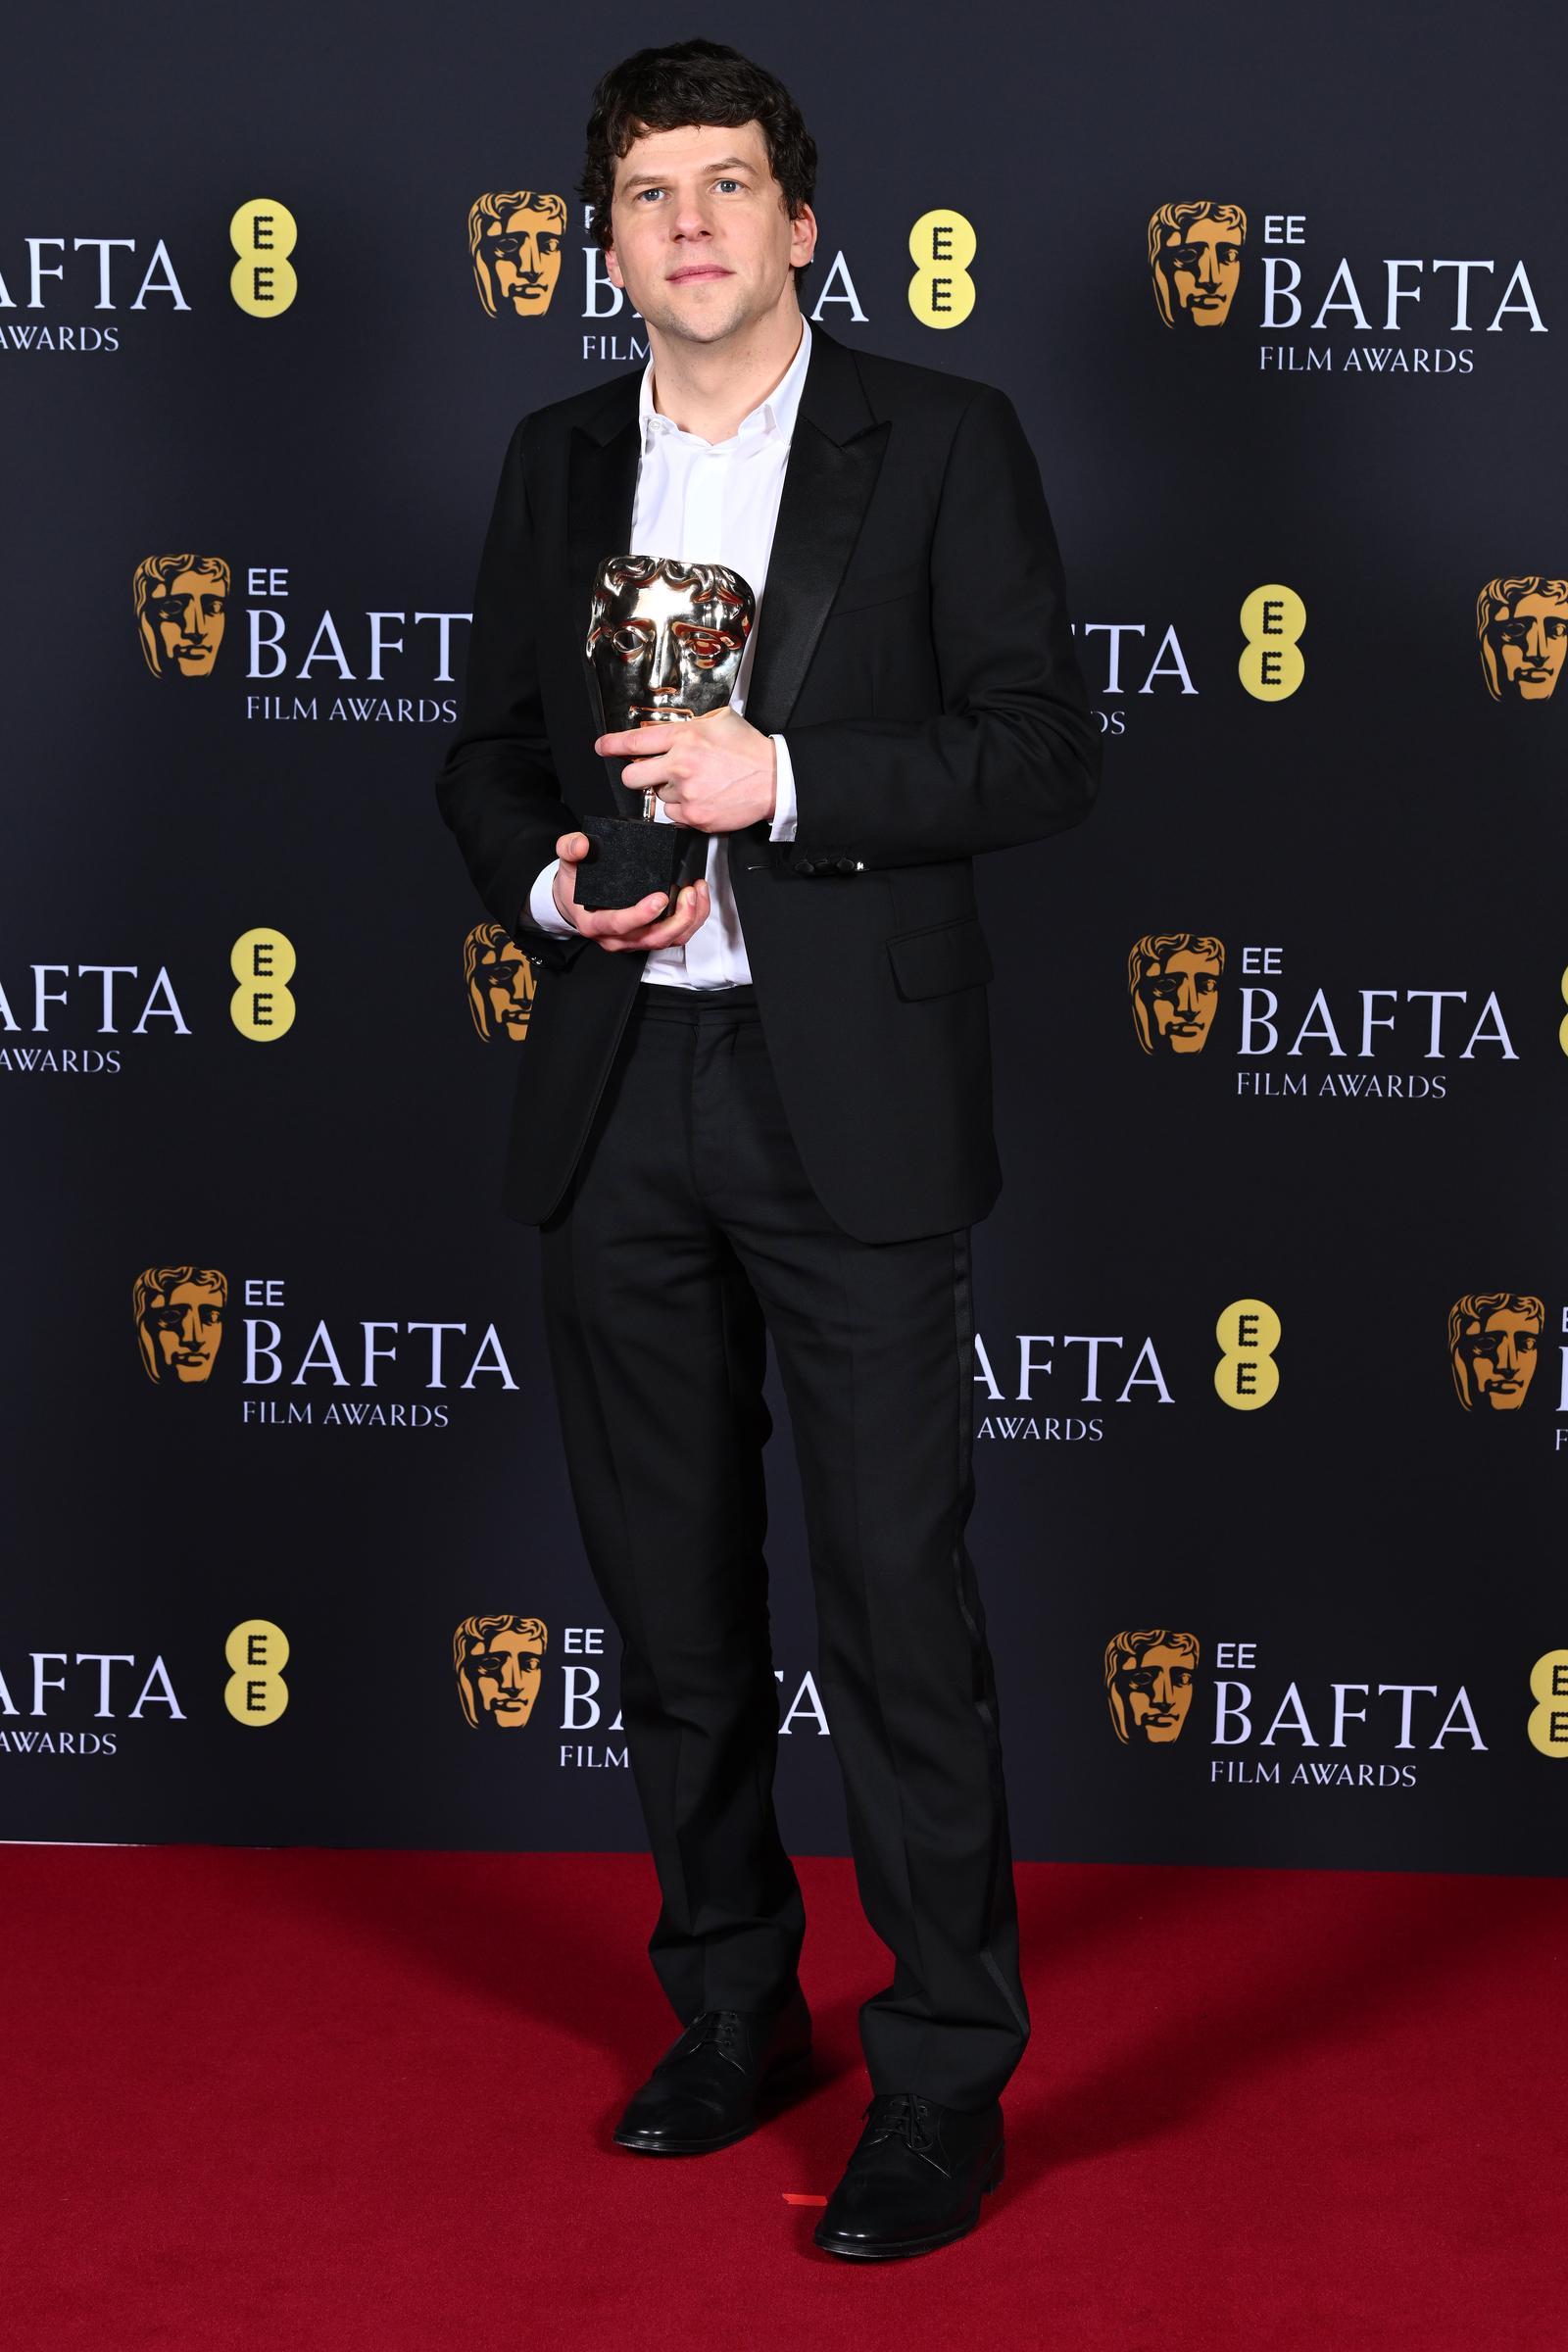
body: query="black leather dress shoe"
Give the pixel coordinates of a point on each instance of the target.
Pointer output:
(707, 2090)
(915, 2181)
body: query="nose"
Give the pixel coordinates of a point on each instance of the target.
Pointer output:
(1187, 1001)
(665, 672)
(1536, 644)
(690, 219)
(1209, 273)
(1507, 1356)
(190, 1333)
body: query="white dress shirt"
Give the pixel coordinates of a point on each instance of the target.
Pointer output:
(710, 501)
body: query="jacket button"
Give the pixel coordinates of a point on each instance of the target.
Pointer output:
(848, 866)
(804, 866)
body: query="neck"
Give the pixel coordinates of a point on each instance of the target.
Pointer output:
(708, 388)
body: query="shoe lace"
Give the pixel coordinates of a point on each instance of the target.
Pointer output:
(720, 2026)
(901, 2114)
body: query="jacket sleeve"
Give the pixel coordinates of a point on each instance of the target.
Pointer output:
(1015, 754)
(498, 789)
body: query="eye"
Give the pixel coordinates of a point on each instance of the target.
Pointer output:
(644, 193)
(727, 183)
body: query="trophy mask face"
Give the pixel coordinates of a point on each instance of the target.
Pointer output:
(504, 1679)
(185, 1326)
(1152, 1693)
(1500, 1357)
(1527, 643)
(1173, 1003)
(665, 640)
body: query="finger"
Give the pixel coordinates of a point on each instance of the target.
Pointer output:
(624, 923)
(641, 775)
(572, 847)
(635, 741)
(688, 914)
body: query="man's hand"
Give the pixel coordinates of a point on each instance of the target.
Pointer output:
(717, 775)
(616, 928)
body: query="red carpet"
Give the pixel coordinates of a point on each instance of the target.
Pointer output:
(357, 2101)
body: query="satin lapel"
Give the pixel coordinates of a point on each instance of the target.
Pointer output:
(827, 488)
(600, 491)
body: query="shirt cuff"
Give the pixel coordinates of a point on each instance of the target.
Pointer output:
(782, 827)
(543, 912)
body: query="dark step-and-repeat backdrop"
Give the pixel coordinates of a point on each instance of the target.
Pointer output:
(1272, 1385)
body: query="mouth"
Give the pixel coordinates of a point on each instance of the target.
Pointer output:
(658, 714)
(696, 277)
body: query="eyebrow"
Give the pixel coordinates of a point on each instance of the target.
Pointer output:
(657, 179)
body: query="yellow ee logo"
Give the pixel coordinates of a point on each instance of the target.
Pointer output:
(262, 1008)
(1271, 666)
(1548, 1725)
(1246, 1375)
(263, 233)
(257, 1652)
(942, 245)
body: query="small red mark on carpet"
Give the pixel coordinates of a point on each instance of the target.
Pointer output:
(792, 2198)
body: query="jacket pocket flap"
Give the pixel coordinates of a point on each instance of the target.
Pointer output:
(880, 588)
(949, 955)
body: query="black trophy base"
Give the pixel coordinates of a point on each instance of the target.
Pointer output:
(629, 858)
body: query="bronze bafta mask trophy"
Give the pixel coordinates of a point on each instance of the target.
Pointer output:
(664, 642)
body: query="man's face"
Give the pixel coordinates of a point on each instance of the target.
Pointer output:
(504, 1679)
(523, 252)
(1152, 1694)
(188, 616)
(1176, 1004)
(1499, 1356)
(1202, 266)
(508, 980)
(187, 1330)
(1527, 642)
(699, 240)
(663, 650)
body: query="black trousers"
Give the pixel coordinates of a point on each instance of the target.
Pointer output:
(689, 1231)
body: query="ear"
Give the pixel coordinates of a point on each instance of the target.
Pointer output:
(802, 237)
(613, 269)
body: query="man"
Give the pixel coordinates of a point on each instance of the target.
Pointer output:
(768, 1108)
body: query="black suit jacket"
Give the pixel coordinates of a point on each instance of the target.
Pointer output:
(913, 649)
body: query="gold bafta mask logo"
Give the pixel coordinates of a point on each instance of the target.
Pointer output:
(499, 1662)
(179, 1322)
(500, 980)
(1522, 625)
(1149, 1684)
(1195, 257)
(1494, 1342)
(180, 603)
(1173, 979)
(515, 243)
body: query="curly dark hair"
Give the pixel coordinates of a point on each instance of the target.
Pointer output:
(693, 81)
